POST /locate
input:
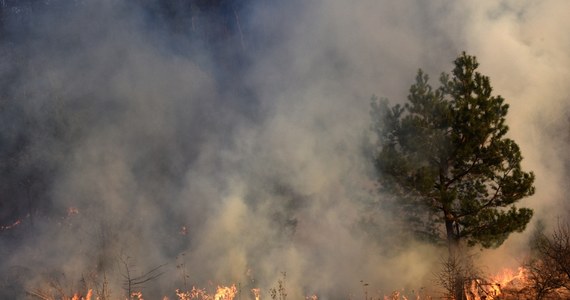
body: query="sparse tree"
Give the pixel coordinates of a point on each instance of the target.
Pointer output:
(445, 157)
(548, 266)
(133, 284)
(458, 272)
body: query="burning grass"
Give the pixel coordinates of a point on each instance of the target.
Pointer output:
(221, 293)
(511, 284)
(54, 291)
(508, 284)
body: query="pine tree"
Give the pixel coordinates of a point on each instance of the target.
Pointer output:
(446, 158)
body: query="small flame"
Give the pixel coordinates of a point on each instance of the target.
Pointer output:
(226, 293)
(88, 296)
(222, 293)
(137, 295)
(256, 292)
(394, 295)
(193, 294)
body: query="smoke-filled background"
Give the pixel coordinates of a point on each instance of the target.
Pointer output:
(221, 140)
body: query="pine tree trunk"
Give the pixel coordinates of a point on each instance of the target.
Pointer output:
(456, 255)
(452, 240)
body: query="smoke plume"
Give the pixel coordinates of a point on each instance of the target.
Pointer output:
(221, 142)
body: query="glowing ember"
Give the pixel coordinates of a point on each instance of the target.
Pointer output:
(72, 211)
(8, 227)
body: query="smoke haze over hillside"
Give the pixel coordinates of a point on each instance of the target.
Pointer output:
(224, 138)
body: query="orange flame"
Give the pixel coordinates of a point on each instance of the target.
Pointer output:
(193, 294)
(76, 296)
(222, 293)
(137, 295)
(226, 293)
(256, 293)
(508, 277)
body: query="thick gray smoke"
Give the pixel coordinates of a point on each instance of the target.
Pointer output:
(235, 165)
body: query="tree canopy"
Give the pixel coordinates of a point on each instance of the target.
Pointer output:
(445, 156)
